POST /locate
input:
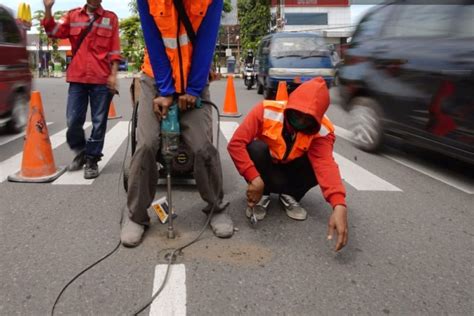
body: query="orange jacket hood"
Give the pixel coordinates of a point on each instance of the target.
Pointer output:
(312, 97)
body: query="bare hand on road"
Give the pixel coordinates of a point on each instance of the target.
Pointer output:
(338, 223)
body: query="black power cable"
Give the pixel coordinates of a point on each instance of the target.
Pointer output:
(171, 255)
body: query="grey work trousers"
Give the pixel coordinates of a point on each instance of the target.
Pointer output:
(196, 131)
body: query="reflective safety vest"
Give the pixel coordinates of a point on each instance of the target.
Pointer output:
(273, 120)
(177, 43)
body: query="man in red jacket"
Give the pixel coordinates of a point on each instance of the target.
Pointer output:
(92, 75)
(287, 148)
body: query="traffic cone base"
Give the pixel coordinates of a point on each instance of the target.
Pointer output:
(37, 164)
(230, 102)
(18, 177)
(112, 113)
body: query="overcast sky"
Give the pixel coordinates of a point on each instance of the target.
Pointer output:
(120, 7)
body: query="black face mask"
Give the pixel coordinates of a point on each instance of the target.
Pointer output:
(300, 123)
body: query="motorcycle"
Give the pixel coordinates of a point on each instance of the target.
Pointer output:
(249, 76)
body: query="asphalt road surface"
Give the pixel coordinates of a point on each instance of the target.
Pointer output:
(410, 247)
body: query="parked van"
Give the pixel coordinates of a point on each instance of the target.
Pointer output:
(15, 75)
(294, 58)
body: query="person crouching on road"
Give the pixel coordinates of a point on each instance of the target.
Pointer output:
(286, 147)
(92, 75)
(180, 47)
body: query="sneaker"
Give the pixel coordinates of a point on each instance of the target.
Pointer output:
(222, 225)
(78, 161)
(132, 233)
(260, 209)
(91, 169)
(222, 205)
(293, 209)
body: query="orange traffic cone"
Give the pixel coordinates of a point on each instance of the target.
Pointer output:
(230, 102)
(282, 92)
(38, 161)
(112, 113)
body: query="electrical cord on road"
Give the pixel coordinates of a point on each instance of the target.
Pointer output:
(171, 255)
(113, 250)
(173, 252)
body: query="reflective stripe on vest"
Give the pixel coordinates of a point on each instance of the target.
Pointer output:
(273, 120)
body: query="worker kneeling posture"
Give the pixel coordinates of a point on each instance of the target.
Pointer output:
(286, 147)
(180, 38)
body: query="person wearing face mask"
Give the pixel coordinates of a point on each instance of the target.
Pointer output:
(92, 75)
(286, 148)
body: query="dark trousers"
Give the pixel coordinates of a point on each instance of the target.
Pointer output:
(79, 96)
(294, 178)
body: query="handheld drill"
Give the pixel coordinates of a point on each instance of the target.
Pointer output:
(170, 139)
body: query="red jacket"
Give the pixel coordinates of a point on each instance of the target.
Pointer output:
(311, 98)
(92, 63)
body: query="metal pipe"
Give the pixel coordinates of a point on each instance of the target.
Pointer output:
(171, 234)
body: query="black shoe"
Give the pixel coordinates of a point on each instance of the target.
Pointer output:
(78, 162)
(91, 170)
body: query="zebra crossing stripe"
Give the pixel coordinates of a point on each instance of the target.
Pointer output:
(13, 164)
(8, 139)
(113, 140)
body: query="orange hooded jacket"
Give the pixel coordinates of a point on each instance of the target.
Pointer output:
(312, 98)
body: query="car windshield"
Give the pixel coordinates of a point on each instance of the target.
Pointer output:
(301, 46)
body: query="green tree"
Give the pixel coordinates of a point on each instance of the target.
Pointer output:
(227, 6)
(132, 39)
(56, 56)
(254, 18)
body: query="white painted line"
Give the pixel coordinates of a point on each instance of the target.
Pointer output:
(13, 164)
(113, 139)
(460, 182)
(343, 133)
(172, 300)
(360, 178)
(228, 129)
(7, 139)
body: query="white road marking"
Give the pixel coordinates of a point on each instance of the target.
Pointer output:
(460, 182)
(228, 129)
(13, 164)
(113, 140)
(356, 176)
(6, 139)
(360, 178)
(172, 300)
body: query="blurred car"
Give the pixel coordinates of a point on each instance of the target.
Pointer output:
(15, 76)
(294, 58)
(409, 72)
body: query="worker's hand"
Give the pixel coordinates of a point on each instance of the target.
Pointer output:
(48, 3)
(161, 106)
(255, 191)
(338, 223)
(112, 83)
(186, 102)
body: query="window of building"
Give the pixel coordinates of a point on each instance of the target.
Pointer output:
(306, 18)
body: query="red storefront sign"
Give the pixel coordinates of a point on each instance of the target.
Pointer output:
(311, 3)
